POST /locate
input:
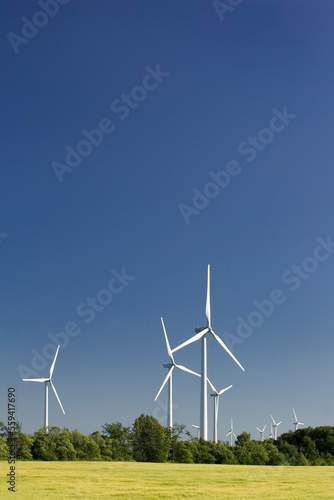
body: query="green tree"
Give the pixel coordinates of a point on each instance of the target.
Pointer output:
(56, 445)
(310, 451)
(104, 444)
(23, 443)
(205, 453)
(85, 447)
(151, 441)
(250, 452)
(3, 430)
(182, 453)
(43, 448)
(274, 456)
(4, 452)
(120, 440)
(175, 435)
(223, 454)
(23, 447)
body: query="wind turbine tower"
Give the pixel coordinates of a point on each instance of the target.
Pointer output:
(231, 433)
(216, 395)
(296, 423)
(271, 432)
(201, 334)
(275, 427)
(47, 381)
(169, 376)
(196, 427)
(262, 432)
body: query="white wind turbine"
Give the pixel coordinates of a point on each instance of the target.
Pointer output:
(261, 432)
(296, 423)
(169, 378)
(216, 395)
(201, 334)
(196, 427)
(231, 433)
(47, 381)
(271, 432)
(275, 427)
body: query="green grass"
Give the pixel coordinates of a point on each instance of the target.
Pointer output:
(139, 481)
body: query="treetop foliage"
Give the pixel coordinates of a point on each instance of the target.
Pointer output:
(148, 441)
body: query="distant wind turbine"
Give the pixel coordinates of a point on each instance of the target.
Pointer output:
(47, 381)
(296, 423)
(201, 334)
(196, 427)
(171, 367)
(275, 427)
(271, 432)
(216, 395)
(231, 433)
(261, 432)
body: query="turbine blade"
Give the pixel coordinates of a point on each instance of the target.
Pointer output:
(278, 423)
(226, 349)
(259, 429)
(212, 387)
(300, 423)
(224, 390)
(273, 419)
(54, 362)
(208, 304)
(295, 414)
(264, 428)
(187, 370)
(35, 379)
(54, 390)
(229, 433)
(234, 435)
(192, 339)
(164, 382)
(170, 354)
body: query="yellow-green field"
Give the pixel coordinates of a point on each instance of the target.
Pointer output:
(139, 481)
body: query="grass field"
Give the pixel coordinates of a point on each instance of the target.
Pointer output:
(139, 481)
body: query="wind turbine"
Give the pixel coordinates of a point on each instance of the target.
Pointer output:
(196, 427)
(271, 432)
(261, 432)
(216, 395)
(169, 378)
(275, 427)
(47, 381)
(231, 433)
(201, 334)
(296, 423)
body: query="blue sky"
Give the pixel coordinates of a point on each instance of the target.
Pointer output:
(199, 95)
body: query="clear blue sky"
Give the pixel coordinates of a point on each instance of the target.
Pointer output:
(178, 93)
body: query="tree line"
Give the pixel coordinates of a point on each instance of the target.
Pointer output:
(148, 441)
